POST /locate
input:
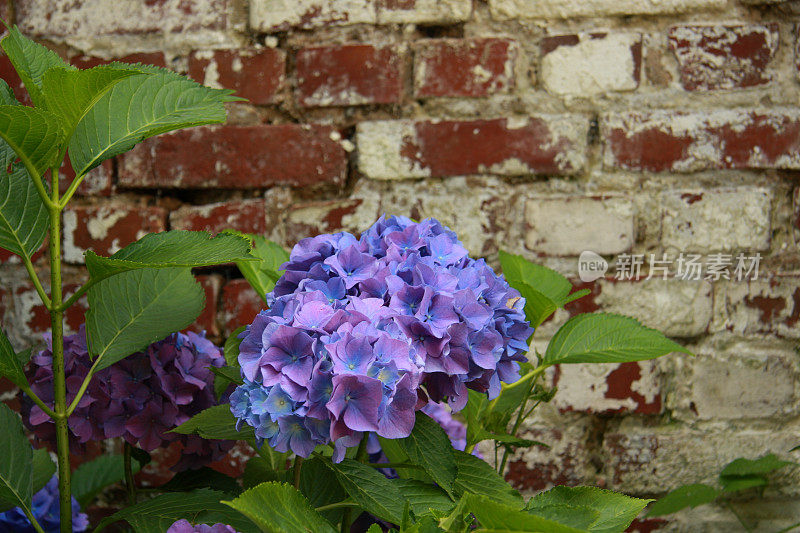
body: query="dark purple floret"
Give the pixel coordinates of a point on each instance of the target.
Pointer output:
(184, 526)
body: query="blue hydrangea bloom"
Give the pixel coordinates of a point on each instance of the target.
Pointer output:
(362, 332)
(46, 511)
(184, 526)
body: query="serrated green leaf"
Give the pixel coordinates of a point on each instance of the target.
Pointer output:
(11, 364)
(43, 469)
(259, 470)
(280, 508)
(69, 93)
(200, 507)
(588, 508)
(7, 94)
(34, 135)
(475, 476)
(24, 219)
(16, 456)
(153, 102)
(91, 477)
(133, 309)
(682, 497)
(423, 497)
(202, 478)
(538, 307)
(231, 348)
(262, 275)
(396, 454)
(606, 338)
(217, 423)
(224, 377)
(761, 466)
(370, 489)
(176, 248)
(429, 447)
(31, 60)
(496, 517)
(320, 485)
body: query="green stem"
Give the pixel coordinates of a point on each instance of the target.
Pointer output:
(82, 388)
(77, 295)
(32, 519)
(298, 465)
(130, 485)
(337, 505)
(521, 415)
(59, 376)
(35, 279)
(787, 529)
(38, 401)
(738, 517)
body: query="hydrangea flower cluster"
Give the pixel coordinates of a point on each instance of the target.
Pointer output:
(46, 511)
(184, 526)
(139, 398)
(361, 331)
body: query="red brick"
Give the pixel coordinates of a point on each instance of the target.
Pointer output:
(257, 75)
(348, 75)
(464, 67)
(207, 321)
(712, 57)
(147, 58)
(105, 229)
(66, 18)
(313, 218)
(249, 216)
(531, 145)
(33, 316)
(237, 157)
(9, 75)
(240, 304)
(609, 389)
(561, 464)
(97, 182)
(674, 141)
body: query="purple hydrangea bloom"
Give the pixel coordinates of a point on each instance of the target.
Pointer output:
(361, 332)
(45, 507)
(139, 399)
(184, 526)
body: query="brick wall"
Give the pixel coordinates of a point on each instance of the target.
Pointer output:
(544, 127)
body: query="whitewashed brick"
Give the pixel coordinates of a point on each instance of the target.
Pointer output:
(567, 225)
(724, 219)
(281, 15)
(587, 64)
(543, 9)
(763, 306)
(677, 308)
(425, 11)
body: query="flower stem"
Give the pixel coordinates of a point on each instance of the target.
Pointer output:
(521, 415)
(337, 505)
(32, 519)
(59, 375)
(298, 465)
(130, 485)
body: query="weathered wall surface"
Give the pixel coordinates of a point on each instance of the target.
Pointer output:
(544, 127)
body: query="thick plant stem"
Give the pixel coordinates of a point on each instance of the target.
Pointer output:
(298, 465)
(59, 377)
(130, 486)
(520, 416)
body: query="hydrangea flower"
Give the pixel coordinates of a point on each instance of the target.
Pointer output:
(361, 332)
(45, 507)
(184, 526)
(139, 398)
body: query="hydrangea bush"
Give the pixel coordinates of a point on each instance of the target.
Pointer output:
(383, 360)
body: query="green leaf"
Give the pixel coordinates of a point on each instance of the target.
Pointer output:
(16, 456)
(133, 309)
(90, 478)
(231, 348)
(217, 423)
(175, 248)
(496, 517)
(34, 135)
(396, 454)
(31, 60)
(370, 489)
(589, 508)
(7, 94)
(682, 497)
(258, 470)
(477, 477)
(43, 469)
(423, 497)
(152, 102)
(320, 485)
(606, 338)
(538, 307)
(24, 219)
(761, 466)
(737, 483)
(70, 94)
(429, 447)
(224, 377)
(11, 363)
(200, 507)
(202, 478)
(262, 275)
(280, 508)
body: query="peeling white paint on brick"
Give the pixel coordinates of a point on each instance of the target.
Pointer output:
(271, 15)
(544, 9)
(438, 11)
(379, 154)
